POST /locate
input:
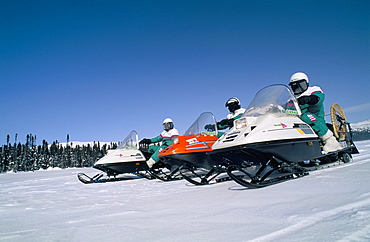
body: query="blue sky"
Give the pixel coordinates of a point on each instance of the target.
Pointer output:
(98, 69)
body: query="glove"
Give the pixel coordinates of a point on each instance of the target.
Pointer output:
(145, 141)
(303, 100)
(226, 122)
(311, 100)
(210, 127)
(230, 122)
(223, 122)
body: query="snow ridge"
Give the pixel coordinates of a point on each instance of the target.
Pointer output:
(364, 125)
(317, 218)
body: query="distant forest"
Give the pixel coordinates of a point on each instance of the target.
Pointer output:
(18, 157)
(361, 134)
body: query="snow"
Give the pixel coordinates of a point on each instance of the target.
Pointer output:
(327, 205)
(361, 125)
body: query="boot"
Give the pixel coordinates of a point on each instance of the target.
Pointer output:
(150, 162)
(330, 142)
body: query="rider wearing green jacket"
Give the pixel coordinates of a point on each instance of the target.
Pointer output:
(236, 111)
(311, 102)
(166, 139)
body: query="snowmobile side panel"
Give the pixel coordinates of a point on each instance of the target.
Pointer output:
(287, 150)
(197, 159)
(123, 167)
(191, 149)
(190, 144)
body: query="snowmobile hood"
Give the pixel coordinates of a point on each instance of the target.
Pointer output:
(127, 151)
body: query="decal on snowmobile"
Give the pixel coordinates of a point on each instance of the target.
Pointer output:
(197, 148)
(305, 131)
(209, 133)
(191, 141)
(281, 124)
(290, 112)
(205, 145)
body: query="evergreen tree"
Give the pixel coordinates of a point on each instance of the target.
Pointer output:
(31, 157)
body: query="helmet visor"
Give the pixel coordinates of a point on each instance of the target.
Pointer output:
(168, 126)
(298, 87)
(233, 106)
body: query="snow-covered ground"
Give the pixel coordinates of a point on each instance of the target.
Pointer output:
(327, 205)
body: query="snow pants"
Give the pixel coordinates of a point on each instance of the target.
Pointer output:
(155, 149)
(318, 124)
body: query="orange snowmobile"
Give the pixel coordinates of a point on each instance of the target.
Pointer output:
(189, 155)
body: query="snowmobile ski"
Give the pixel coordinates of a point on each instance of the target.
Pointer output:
(165, 174)
(253, 182)
(200, 176)
(101, 178)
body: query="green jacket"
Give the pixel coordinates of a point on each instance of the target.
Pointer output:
(166, 137)
(236, 115)
(318, 108)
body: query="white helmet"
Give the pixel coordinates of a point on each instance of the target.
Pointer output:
(299, 82)
(232, 104)
(168, 124)
(232, 100)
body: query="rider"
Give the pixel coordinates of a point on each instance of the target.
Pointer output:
(166, 137)
(310, 101)
(236, 111)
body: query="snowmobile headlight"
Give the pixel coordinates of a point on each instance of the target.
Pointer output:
(240, 123)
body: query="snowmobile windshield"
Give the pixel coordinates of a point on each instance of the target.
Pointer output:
(205, 124)
(130, 142)
(275, 99)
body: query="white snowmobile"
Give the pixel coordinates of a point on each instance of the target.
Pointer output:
(127, 158)
(271, 144)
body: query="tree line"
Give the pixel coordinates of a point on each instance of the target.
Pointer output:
(18, 157)
(361, 134)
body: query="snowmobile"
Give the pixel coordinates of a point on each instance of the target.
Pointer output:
(270, 143)
(189, 152)
(128, 158)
